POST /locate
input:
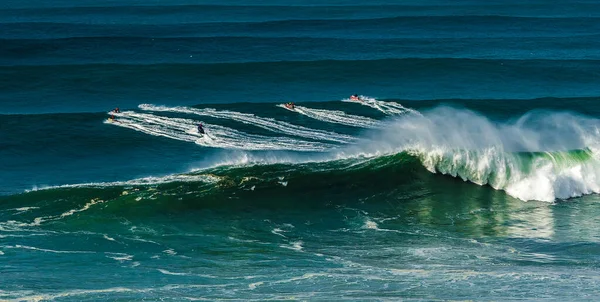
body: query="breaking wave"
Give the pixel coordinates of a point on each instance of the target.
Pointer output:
(542, 155)
(539, 156)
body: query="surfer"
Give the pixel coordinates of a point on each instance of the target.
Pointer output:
(200, 128)
(112, 114)
(355, 97)
(290, 105)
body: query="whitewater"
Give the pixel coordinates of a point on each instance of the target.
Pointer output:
(466, 169)
(542, 155)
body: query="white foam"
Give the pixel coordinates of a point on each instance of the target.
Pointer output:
(12, 226)
(372, 225)
(85, 207)
(465, 144)
(121, 257)
(15, 226)
(143, 240)
(242, 240)
(77, 292)
(297, 245)
(253, 286)
(25, 209)
(45, 250)
(298, 278)
(170, 252)
(166, 272)
(278, 232)
(108, 238)
(140, 181)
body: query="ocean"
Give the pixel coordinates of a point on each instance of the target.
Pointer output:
(469, 169)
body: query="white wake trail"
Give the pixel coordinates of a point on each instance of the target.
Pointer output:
(151, 128)
(262, 122)
(335, 116)
(217, 137)
(389, 108)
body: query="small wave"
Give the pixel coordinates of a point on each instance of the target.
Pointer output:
(108, 238)
(45, 250)
(278, 232)
(85, 207)
(297, 245)
(146, 181)
(372, 225)
(171, 252)
(77, 292)
(25, 209)
(121, 257)
(253, 286)
(39, 220)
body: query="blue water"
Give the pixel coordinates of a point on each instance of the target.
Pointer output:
(469, 169)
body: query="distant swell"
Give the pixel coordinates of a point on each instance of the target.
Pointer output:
(565, 71)
(400, 26)
(117, 49)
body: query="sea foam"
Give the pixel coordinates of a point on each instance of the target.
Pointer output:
(540, 156)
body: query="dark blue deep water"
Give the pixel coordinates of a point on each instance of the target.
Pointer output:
(468, 169)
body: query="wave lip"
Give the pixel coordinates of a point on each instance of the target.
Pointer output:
(542, 176)
(541, 156)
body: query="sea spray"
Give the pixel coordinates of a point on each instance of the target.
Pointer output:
(540, 156)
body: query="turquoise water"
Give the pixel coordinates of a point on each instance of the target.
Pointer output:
(469, 171)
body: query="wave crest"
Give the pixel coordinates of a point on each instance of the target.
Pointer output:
(540, 156)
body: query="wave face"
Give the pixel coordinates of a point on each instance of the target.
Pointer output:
(470, 157)
(539, 156)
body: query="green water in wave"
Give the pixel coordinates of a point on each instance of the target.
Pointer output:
(384, 227)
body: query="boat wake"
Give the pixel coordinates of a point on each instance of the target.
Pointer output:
(335, 116)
